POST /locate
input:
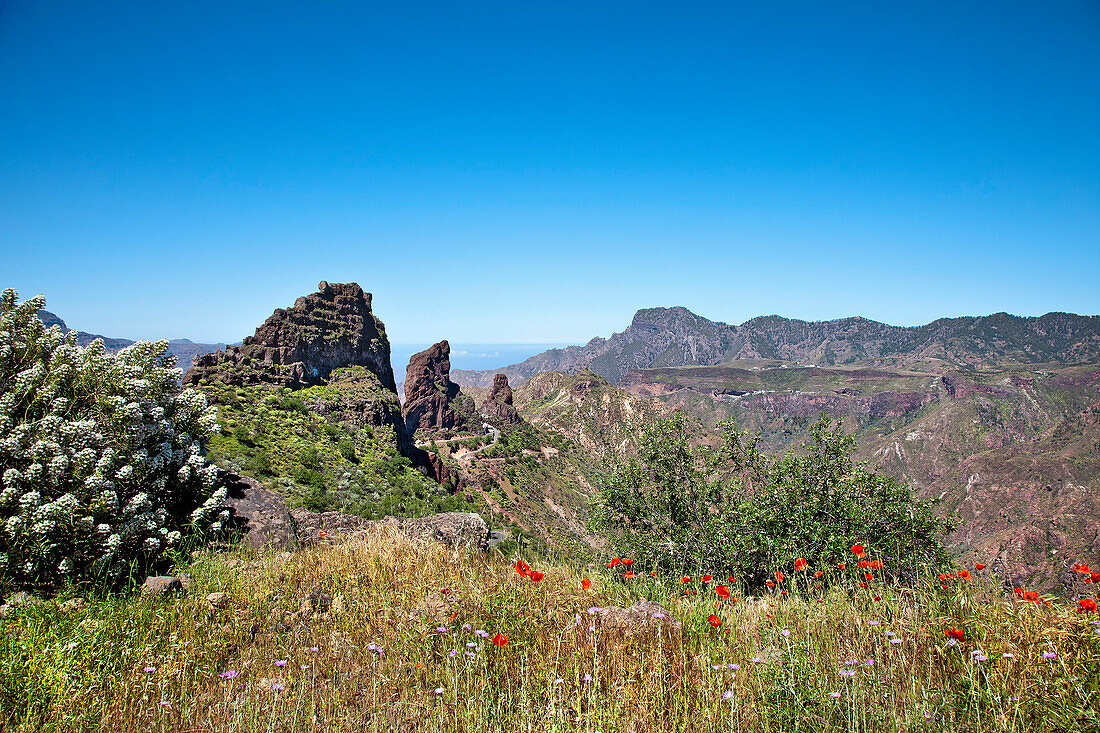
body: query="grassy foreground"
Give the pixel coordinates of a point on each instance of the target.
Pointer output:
(399, 649)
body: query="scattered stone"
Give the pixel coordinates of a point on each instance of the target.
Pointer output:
(642, 617)
(73, 604)
(218, 600)
(338, 605)
(316, 601)
(185, 581)
(156, 586)
(21, 600)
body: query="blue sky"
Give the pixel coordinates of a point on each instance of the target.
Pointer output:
(536, 172)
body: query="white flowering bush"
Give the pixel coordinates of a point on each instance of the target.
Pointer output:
(101, 455)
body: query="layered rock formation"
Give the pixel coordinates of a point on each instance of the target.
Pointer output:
(301, 345)
(432, 400)
(497, 407)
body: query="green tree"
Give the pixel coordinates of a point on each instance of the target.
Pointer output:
(736, 510)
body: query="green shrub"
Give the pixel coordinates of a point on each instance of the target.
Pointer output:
(260, 463)
(310, 457)
(290, 403)
(308, 477)
(735, 510)
(347, 449)
(101, 455)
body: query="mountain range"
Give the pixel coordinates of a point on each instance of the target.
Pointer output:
(669, 337)
(184, 350)
(995, 418)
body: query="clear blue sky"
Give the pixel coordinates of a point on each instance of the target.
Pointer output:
(536, 172)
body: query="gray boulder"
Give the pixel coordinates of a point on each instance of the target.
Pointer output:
(259, 516)
(156, 586)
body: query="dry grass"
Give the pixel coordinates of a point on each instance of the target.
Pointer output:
(85, 670)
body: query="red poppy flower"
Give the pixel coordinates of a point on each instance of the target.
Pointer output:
(586, 583)
(863, 585)
(779, 577)
(956, 634)
(877, 565)
(653, 573)
(500, 639)
(944, 587)
(722, 591)
(1079, 568)
(628, 575)
(685, 579)
(322, 534)
(1019, 592)
(841, 565)
(864, 564)
(522, 567)
(714, 621)
(869, 577)
(878, 598)
(769, 583)
(964, 574)
(859, 551)
(627, 561)
(979, 566)
(535, 575)
(614, 561)
(818, 573)
(1087, 605)
(1032, 595)
(1094, 578)
(800, 564)
(731, 579)
(707, 578)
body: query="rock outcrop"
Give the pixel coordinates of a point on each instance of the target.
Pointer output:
(497, 407)
(456, 529)
(432, 400)
(260, 518)
(301, 345)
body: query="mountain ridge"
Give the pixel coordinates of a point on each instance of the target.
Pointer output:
(675, 336)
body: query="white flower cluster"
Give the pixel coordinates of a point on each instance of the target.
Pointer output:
(101, 455)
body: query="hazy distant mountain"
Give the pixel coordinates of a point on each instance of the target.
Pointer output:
(183, 349)
(669, 337)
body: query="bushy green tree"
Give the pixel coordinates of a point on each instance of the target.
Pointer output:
(735, 510)
(101, 455)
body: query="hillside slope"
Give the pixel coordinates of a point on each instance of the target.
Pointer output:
(1012, 454)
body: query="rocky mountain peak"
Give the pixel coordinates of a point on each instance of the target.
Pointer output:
(497, 407)
(300, 346)
(429, 391)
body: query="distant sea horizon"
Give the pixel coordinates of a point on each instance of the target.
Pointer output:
(471, 355)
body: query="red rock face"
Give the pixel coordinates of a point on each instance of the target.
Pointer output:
(497, 407)
(429, 390)
(300, 346)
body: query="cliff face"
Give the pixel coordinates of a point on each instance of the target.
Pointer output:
(497, 407)
(432, 400)
(300, 346)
